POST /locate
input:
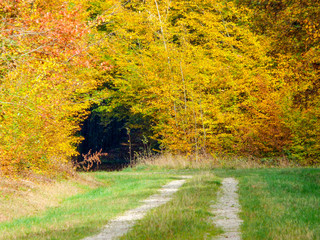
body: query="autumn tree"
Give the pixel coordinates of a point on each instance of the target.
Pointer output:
(46, 74)
(192, 77)
(294, 33)
(197, 71)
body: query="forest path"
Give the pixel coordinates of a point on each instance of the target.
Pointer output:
(122, 224)
(226, 210)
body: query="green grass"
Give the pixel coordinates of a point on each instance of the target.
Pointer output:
(279, 203)
(84, 214)
(187, 216)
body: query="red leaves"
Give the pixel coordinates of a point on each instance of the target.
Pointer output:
(44, 79)
(106, 66)
(57, 31)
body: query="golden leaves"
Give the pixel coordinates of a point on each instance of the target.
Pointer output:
(42, 98)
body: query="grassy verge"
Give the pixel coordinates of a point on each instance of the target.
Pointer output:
(84, 214)
(185, 217)
(209, 162)
(279, 203)
(22, 198)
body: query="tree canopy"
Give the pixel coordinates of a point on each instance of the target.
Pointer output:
(193, 77)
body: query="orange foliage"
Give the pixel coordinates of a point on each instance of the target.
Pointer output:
(45, 74)
(196, 76)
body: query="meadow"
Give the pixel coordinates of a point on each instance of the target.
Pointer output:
(277, 203)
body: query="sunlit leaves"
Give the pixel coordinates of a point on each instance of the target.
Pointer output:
(197, 70)
(47, 72)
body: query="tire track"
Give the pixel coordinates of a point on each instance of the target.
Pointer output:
(226, 210)
(122, 224)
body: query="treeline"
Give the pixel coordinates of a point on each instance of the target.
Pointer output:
(239, 77)
(203, 76)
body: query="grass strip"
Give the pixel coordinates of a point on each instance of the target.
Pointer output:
(84, 214)
(184, 217)
(279, 204)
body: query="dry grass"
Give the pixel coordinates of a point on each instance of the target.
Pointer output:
(84, 214)
(21, 197)
(211, 162)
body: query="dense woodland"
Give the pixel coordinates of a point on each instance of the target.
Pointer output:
(235, 77)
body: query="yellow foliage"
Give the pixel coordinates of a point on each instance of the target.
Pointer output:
(42, 91)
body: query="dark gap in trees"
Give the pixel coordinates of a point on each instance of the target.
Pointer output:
(111, 138)
(110, 133)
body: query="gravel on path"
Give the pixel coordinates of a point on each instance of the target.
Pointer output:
(226, 210)
(122, 224)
